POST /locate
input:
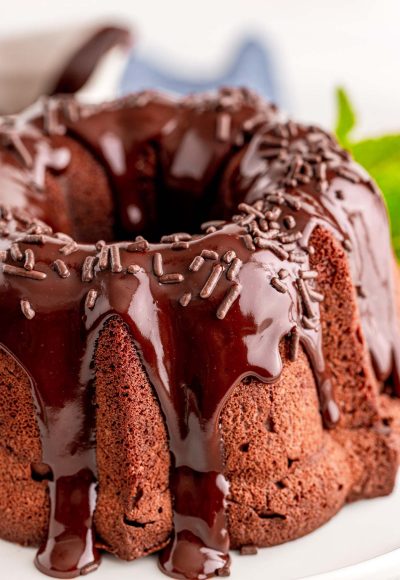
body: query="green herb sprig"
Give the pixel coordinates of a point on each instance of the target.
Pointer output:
(380, 156)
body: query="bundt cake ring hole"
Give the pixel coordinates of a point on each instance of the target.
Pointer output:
(158, 202)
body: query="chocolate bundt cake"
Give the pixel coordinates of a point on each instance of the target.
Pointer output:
(230, 388)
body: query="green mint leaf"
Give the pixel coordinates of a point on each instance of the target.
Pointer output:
(346, 118)
(377, 152)
(379, 156)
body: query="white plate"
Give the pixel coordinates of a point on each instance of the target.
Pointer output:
(361, 543)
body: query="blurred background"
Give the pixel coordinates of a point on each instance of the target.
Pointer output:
(296, 52)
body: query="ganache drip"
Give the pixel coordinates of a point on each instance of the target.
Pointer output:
(248, 279)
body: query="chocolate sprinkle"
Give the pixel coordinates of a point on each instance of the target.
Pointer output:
(270, 140)
(139, 246)
(104, 257)
(246, 220)
(308, 274)
(22, 273)
(239, 139)
(223, 129)
(228, 301)
(274, 225)
(212, 281)
(229, 256)
(179, 237)
(287, 238)
(88, 269)
(248, 242)
(348, 174)
(196, 264)
(89, 568)
(133, 269)
(339, 194)
(283, 273)
(70, 248)
(361, 292)
(212, 223)
(33, 239)
(269, 235)
(305, 298)
(6, 213)
(273, 247)
(223, 572)
(254, 122)
(348, 246)
(171, 278)
(315, 296)
(289, 222)
(29, 262)
(234, 269)
(15, 252)
(61, 268)
(249, 550)
(270, 153)
(278, 285)
(177, 246)
(91, 298)
(293, 202)
(158, 268)
(290, 247)
(115, 259)
(27, 309)
(249, 209)
(294, 344)
(209, 255)
(273, 214)
(298, 257)
(185, 299)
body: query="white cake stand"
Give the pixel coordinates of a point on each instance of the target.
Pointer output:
(361, 543)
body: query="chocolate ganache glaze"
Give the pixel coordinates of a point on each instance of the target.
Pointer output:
(246, 280)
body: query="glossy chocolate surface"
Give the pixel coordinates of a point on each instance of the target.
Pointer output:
(229, 294)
